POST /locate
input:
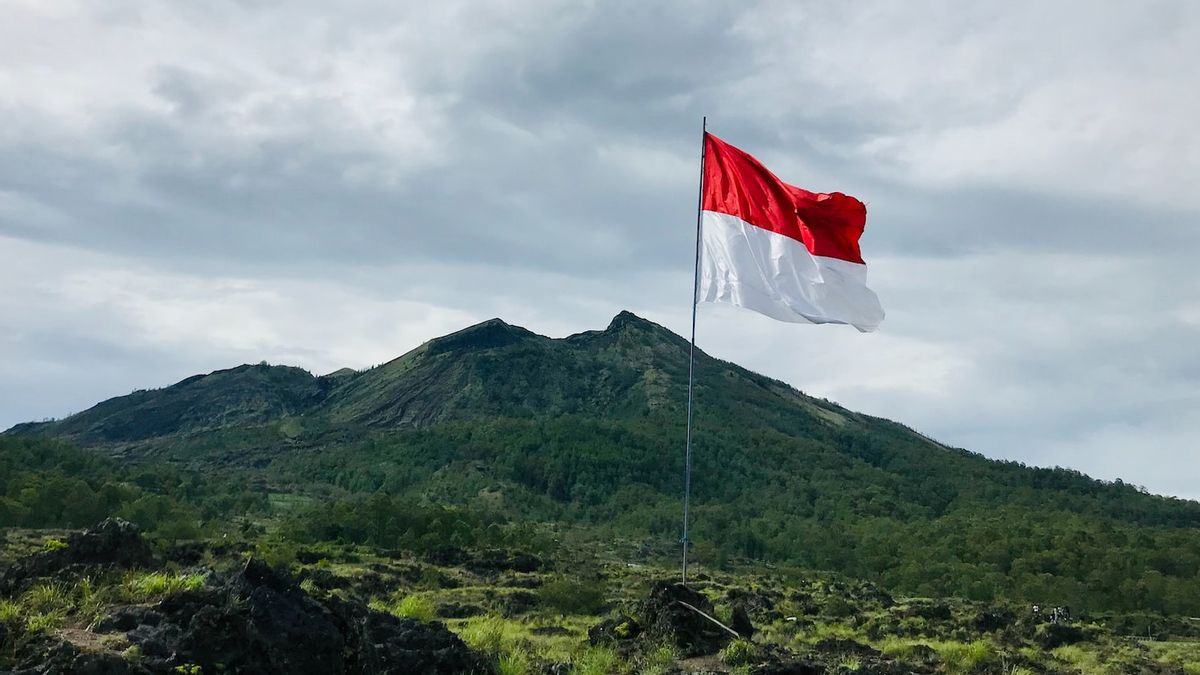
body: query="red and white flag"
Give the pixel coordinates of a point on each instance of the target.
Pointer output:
(778, 249)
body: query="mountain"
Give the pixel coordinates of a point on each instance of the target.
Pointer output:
(493, 369)
(587, 431)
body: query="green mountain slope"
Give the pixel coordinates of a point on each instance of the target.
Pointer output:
(588, 429)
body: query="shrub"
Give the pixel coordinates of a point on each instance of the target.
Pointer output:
(416, 607)
(487, 635)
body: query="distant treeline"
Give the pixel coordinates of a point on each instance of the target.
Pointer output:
(877, 504)
(880, 503)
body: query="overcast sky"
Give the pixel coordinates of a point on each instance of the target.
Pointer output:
(191, 185)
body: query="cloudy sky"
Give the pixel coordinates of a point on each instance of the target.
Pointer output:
(191, 185)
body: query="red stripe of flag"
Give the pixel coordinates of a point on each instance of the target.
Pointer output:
(735, 183)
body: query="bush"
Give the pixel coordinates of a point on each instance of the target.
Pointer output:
(416, 607)
(487, 635)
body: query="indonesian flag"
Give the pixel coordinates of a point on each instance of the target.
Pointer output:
(778, 249)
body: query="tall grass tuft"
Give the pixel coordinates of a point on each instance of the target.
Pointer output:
(961, 657)
(596, 661)
(516, 661)
(416, 607)
(148, 586)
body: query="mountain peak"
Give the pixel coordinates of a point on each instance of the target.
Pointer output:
(627, 319)
(484, 335)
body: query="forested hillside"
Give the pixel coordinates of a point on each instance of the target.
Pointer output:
(509, 430)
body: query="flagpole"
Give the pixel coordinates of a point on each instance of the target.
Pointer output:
(687, 457)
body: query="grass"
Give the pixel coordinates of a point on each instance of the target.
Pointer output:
(53, 544)
(827, 631)
(513, 647)
(896, 647)
(596, 661)
(412, 606)
(658, 662)
(10, 612)
(150, 586)
(1180, 654)
(738, 653)
(516, 661)
(969, 657)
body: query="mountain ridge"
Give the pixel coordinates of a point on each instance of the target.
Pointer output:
(587, 431)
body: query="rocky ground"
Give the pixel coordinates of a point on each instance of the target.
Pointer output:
(103, 601)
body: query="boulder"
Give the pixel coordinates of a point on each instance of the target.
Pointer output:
(665, 618)
(1052, 635)
(739, 621)
(114, 543)
(258, 620)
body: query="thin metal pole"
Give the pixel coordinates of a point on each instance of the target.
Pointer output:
(687, 457)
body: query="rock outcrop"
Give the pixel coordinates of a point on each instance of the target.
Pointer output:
(114, 543)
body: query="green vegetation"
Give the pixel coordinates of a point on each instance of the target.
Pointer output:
(572, 596)
(738, 653)
(496, 438)
(412, 606)
(150, 586)
(453, 443)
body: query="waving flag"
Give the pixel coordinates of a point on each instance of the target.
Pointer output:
(778, 249)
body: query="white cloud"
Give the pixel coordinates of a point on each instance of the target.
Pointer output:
(222, 182)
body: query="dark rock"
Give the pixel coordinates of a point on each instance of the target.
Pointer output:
(666, 619)
(102, 663)
(381, 643)
(495, 560)
(323, 579)
(50, 655)
(614, 630)
(447, 556)
(518, 602)
(756, 604)
(156, 641)
(259, 620)
(306, 556)
(112, 543)
(991, 620)
(740, 622)
(873, 594)
(936, 610)
(795, 667)
(187, 554)
(923, 655)
(847, 647)
(128, 618)
(458, 610)
(1052, 635)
